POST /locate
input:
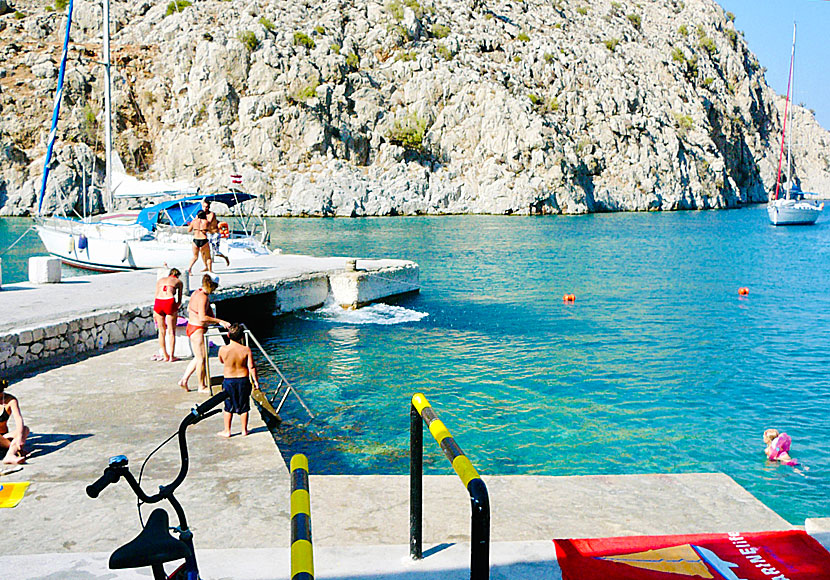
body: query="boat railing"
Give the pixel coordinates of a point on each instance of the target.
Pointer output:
(421, 412)
(284, 387)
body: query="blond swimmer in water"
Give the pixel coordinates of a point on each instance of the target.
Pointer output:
(778, 447)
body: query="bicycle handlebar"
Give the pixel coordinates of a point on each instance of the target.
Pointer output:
(94, 489)
(113, 472)
(201, 410)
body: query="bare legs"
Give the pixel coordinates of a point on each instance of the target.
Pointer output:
(196, 252)
(167, 327)
(206, 258)
(162, 326)
(197, 343)
(171, 330)
(228, 417)
(14, 448)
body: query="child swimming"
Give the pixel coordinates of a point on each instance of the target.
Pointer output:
(778, 447)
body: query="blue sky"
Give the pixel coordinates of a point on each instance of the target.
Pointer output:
(768, 29)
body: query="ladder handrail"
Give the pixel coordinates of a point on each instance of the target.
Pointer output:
(215, 331)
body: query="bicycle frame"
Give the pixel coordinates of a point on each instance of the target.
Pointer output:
(118, 468)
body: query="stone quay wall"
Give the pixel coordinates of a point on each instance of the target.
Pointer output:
(32, 346)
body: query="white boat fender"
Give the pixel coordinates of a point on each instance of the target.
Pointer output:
(71, 244)
(126, 252)
(83, 243)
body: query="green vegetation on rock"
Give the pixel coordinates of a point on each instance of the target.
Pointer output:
(408, 132)
(177, 6)
(249, 39)
(440, 31)
(303, 39)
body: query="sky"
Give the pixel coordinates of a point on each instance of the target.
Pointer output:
(768, 30)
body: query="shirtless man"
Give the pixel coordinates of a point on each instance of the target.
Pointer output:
(197, 323)
(166, 310)
(199, 227)
(240, 373)
(213, 231)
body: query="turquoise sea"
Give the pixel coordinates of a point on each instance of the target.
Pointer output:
(658, 367)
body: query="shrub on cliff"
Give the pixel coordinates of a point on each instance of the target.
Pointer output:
(177, 6)
(267, 24)
(303, 39)
(352, 61)
(408, 132)
(440, 31)
(249, 39)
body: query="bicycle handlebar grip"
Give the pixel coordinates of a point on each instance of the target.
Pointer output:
(94, 489)
(211, 403)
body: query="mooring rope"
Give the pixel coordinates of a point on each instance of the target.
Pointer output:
(30, 228)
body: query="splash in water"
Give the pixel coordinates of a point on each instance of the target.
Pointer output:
(374, 314)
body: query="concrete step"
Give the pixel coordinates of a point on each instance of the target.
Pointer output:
(508, 561)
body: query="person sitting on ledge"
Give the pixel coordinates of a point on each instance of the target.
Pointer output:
(11, 442)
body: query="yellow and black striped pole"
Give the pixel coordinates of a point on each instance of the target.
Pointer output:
(302, 552)
(421, 412)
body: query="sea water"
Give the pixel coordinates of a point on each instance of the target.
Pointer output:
(659, 366)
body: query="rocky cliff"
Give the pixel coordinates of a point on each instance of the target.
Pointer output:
(355, 107)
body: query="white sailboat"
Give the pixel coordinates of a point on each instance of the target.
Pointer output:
(153, 237)
(788, 205)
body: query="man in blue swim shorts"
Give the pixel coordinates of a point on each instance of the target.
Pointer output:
(240, 373)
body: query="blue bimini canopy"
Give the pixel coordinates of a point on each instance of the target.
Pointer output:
(180, 212)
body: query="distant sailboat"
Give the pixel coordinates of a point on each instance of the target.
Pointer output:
(789, 205)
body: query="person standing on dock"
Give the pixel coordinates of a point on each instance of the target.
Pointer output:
(240, 373)
(197, 323)
(199, 227)
(213, 233)
(166, 311)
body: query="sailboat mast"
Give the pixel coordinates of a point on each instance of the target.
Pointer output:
(107, 108)
(786, 117)
(53, 132)
(790, 92)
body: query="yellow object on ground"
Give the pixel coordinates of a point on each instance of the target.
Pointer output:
(260, 398)
(12, 493)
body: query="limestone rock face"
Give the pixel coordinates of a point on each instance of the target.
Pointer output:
(358, 107)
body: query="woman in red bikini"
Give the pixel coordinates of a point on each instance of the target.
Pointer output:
(165, 312)
(197, 323)
(199, 227)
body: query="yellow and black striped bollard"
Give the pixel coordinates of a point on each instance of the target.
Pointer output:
(302, 552)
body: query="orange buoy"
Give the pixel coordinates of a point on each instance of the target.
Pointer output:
(569, 298)
(743, 290)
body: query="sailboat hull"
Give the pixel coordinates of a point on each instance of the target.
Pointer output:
(792, 212)
(119, 248)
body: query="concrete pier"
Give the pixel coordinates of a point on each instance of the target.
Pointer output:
(88, 313)
(236, 494)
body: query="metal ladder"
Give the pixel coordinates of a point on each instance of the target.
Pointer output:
(284, 385)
